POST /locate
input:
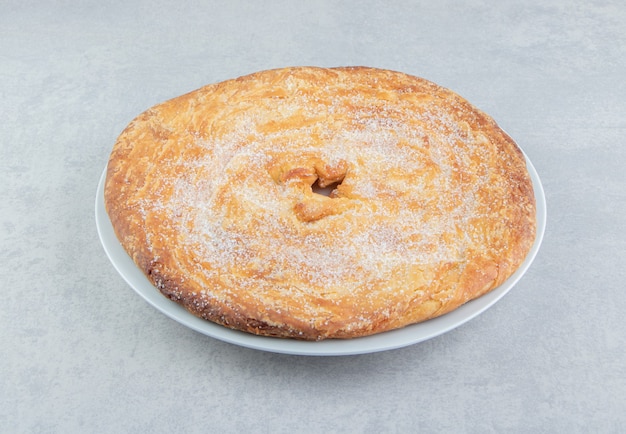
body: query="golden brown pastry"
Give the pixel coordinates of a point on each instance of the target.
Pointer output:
(214, 195)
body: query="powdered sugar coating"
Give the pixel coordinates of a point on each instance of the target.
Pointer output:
(427, 214)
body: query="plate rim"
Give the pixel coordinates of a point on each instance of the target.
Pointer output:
(385, 341)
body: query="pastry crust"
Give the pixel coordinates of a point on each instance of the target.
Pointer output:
(214, 196)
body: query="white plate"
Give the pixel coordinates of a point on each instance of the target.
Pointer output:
(380, 342)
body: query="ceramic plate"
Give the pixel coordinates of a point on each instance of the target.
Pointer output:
(380, 342)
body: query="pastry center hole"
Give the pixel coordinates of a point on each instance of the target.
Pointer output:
(327, 190)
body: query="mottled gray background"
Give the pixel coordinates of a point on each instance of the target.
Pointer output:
(81, 352)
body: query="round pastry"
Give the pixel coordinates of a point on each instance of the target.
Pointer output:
(316, 203)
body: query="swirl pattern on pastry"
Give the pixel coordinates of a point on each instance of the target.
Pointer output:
(216, 197)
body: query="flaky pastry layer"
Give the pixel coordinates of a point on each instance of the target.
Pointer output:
(216, 195)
